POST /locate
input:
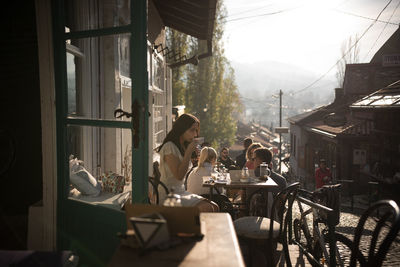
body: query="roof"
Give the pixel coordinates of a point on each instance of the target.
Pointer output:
(351, 127)
(333, 120)
(193, 17)
(385, 98)
(298, 118)
(390, 47)
(256, 132)
(365, 78)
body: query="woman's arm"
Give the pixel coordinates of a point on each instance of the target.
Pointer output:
(177, 167)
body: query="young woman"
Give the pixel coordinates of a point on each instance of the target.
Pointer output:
(249, 155)
(208, 158)
(175, 153)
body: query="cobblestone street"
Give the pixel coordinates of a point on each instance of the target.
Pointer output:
(348, 223)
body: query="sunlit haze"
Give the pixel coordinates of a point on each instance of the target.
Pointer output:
(306, 33)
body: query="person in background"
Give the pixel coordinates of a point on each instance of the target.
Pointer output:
(258, 201)
(175, 153)
(249, 155)
(225, 159)
(241, 159)
(261, 155)
(205, 144)
(207, 160)
(323, 175)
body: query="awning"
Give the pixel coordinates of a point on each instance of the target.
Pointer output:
(193, 17)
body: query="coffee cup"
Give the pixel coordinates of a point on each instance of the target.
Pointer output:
(235, 175)
(198, 140)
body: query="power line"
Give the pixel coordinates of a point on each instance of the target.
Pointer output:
(289, 9)
(345, 54)
(394, 11)
(364, 17)
(247, 11)
(263, 15)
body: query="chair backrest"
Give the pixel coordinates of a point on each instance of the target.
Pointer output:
(282, 207)
(187, 177)
(153, 196)
(156, 171)
(376, 255)
(154, 185)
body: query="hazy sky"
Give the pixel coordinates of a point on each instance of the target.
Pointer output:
(307, 33)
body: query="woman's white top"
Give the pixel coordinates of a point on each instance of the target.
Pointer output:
(168, 178)
(195, 179)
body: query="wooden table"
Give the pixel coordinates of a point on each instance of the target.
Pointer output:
(253, 183)
(219, 247)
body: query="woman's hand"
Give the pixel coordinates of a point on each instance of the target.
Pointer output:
(191, 147)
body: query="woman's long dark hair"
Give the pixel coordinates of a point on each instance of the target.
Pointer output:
(184, 122)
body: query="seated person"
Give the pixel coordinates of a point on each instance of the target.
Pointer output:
(225, 159)
(241, 159)
(261, 155)
(249, 155)
(257, 202)
(175, 153)
(207, 160)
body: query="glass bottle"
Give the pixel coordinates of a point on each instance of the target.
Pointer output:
(245, 173)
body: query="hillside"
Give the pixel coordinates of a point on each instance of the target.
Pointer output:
(259, 84)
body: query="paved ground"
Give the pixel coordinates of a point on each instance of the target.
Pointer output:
(347, 226)
(348, 222)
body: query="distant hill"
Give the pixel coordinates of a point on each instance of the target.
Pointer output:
(258, 82)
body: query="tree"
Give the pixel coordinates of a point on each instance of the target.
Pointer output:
(178, 46)
(208, 90)
(350, 54)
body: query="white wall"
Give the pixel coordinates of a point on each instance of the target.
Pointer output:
(295, 159)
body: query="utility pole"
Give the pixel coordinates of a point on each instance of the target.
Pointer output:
(280, 134)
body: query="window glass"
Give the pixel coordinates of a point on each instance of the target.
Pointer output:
(98, 76)
(158, 72)
(84, 15)
(71, 76)
(100, 164)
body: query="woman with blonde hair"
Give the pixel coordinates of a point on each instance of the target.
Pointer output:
(207, 160)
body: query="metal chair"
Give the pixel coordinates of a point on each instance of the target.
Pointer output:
(155, 182)
(271, 230)
(376, 255)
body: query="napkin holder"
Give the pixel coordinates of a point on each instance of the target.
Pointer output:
(150, 229)
(180, 220)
